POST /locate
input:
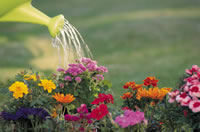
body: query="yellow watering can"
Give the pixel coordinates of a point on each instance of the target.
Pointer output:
(23, 11)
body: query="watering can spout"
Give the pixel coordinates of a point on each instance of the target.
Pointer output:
(23, 11)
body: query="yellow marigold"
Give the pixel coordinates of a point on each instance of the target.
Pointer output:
(154, 93)
(18, 89)
(126, 95)
(47, 85)
(29, 77)
(68, 98)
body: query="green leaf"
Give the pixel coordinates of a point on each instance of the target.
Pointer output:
(107, 83)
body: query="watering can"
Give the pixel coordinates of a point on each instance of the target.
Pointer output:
(23, 11)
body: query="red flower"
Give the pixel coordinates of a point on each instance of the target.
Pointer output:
(126, 108)
(103, 98)
(185, 113)
(161, 123)
(99, 112)
(150, 81)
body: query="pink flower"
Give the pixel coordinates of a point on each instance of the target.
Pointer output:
(78, 79)
(195, 91)
(173, 95)
(60, 70)
(99, 77)
(195, 105)
(130, 118)
(195, 68)
(61, 85)
(183, 98)
(68, 78)
(86, 60)
(102, 69)
(82, 109)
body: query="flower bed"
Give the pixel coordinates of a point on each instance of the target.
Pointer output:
(79, 99)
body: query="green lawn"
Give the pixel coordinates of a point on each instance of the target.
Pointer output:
(133, 38)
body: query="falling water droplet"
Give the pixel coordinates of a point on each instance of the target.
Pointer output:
(72, 44)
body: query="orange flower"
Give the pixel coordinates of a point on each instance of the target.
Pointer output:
(132, 85)
(150, 81)
(68, 98)
(153, 93)
(126, 95)
(137, 86)
(129, 84)
(141, 93)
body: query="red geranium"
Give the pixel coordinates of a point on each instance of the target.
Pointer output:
(99, 112)
(150, 81)
(103, 98)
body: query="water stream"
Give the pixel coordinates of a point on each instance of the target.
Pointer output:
(70, 42)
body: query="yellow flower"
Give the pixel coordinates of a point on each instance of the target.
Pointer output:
(19, 88)
(153, 93)
(68, 98)
(47, 85)
(54, 114)
(29, 77)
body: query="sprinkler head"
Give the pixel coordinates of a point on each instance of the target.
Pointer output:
(55, 25)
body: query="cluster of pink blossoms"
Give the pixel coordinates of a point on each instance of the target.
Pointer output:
(130, 118)
(83, 65)
(189, 93)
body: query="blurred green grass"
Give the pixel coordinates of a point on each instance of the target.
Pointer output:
(133, 38)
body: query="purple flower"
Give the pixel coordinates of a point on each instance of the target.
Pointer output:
(25, 113)
(68, 78)
(78, 79)
(60, 70)
(130, 118)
